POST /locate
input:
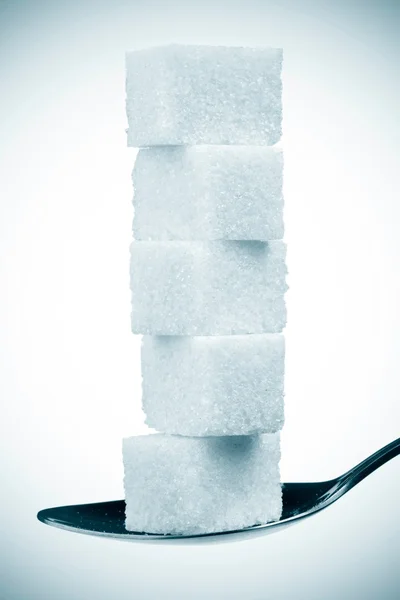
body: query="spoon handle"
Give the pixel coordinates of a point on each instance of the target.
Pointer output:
(370, 464)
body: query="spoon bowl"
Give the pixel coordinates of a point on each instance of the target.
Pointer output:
(300, 500)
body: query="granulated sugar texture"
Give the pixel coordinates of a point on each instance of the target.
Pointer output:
(188, 95)
(214, 385)
(208, 282)
(183, 485)
(208, 288)
(208, 193)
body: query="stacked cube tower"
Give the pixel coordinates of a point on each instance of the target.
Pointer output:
(208, 279)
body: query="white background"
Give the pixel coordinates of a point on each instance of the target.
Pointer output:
(69, 367)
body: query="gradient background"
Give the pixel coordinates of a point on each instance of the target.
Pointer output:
(69, 367)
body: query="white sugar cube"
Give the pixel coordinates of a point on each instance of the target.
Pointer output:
(183, 485)
(208, 288)
(204, 95)
(209, 193)
(214, 385)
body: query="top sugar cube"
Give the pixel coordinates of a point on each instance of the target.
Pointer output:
(188, 95)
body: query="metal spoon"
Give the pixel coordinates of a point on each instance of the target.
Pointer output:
(300, 500)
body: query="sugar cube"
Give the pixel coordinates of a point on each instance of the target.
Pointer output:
(209, 193)
(214, 385)
(208, 288)
(183, 485)
(187, 95)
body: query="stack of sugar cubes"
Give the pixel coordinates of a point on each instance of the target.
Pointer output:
(208, 283)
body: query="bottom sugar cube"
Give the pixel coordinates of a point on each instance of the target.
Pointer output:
(183, 485)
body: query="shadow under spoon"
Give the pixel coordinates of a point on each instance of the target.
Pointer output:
(300, 500)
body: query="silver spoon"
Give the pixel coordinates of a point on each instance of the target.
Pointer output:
(300, 500)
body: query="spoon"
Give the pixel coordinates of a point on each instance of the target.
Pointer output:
(300, 500)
